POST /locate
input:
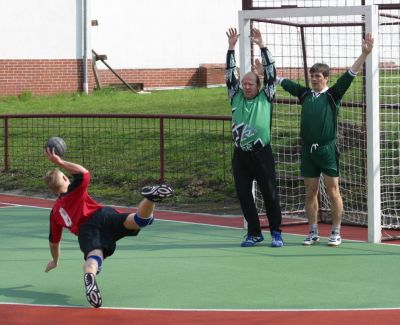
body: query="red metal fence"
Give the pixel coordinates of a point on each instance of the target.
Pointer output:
(137, 147)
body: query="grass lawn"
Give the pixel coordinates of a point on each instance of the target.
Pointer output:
(195, 185)
(199, 169)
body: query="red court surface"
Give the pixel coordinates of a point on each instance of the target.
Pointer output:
(11, 314)
(36, 315)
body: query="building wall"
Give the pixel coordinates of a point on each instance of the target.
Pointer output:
(160, 43)
(40, 29)
(40, 76)
(207, 75)
(159, 34)
(41, 51)
(163, 43)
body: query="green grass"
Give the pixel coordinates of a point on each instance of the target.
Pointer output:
(185, 101)
(197, 152)
(128, 151)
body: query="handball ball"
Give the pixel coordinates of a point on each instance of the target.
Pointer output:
(58, 144)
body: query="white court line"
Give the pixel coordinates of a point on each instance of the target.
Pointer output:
(205, 309)
(197, 223)
(186, 222)
(9, 205)
(12, 205)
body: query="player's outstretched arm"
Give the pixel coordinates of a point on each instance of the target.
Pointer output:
(231, 75)
(55, 254)
(69, 166)
(367, 46)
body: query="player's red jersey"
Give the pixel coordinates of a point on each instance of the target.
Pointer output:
(73, 208)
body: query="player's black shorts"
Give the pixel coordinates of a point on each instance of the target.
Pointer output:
(102, 231)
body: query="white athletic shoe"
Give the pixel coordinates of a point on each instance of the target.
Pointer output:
(92, 291)
(311, 239)
(156, 193)
(334, 239)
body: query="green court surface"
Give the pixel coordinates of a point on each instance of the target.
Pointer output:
(192, 266)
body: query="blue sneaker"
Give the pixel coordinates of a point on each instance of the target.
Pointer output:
(277, 240)
(250, 240)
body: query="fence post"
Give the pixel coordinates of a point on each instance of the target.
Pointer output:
(162, 149)
(5, 143)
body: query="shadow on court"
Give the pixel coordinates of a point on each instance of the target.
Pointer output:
(35, 297)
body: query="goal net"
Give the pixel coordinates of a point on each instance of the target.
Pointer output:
(297, 42)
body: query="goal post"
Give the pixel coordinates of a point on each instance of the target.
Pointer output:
(373, 130)
(366, 18)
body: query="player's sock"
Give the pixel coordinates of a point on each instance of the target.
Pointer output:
(314, 228)
(98, 260)
(336, 229)
(143, 222)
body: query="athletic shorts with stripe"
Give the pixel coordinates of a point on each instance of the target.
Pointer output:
(316, 159)
(102, 231)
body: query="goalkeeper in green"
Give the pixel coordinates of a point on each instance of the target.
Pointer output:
(251, 130)
(318, 131)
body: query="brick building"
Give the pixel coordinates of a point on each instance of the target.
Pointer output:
(159, 44)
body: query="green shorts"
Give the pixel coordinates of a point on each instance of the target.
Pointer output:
(317, 159)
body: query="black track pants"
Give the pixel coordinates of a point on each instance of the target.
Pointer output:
(257, 165)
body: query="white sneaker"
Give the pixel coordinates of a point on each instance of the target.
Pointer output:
(311, 239)
(156, 193)
(92, 291)
(334, 239)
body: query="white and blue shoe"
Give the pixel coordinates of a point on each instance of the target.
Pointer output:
(334, 239)
(156, 193)
(277, 240)
(311, 239)
(251, 241)
(92, 291)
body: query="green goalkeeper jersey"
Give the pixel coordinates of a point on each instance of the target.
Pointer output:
(319, 111)
(251, 118)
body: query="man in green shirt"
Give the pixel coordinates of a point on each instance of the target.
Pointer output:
(318, 128)
(251, 130)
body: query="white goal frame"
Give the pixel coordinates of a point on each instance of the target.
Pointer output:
(370, 14)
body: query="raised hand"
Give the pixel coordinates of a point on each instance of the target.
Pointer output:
(52, 156)
(367, 46)
(368, 43)
(256, 37)
(257, 67)
(233, 37)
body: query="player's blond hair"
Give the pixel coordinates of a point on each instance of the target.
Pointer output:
(53, 180)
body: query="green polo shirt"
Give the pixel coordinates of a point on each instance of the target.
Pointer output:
(319, 111)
